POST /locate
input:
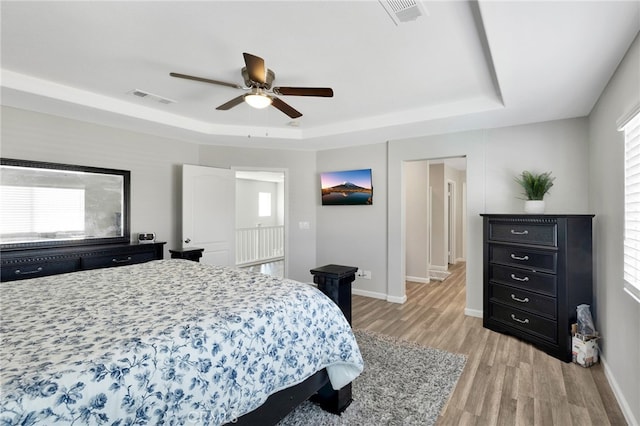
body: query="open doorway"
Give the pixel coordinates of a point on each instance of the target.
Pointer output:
(434, 217)
(260, 221)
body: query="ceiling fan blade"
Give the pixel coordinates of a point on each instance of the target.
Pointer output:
(205, 80)
(255, 68)
(325, 92)
(285, 107)
(233, 102)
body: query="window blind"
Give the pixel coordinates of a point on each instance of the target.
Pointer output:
(632, 207)
(61, 209)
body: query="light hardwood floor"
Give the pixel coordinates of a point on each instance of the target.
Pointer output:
(505, 381)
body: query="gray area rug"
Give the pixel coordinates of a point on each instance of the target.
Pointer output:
(402, 384)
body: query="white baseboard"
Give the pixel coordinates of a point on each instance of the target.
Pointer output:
(441, 268)
(366, 293)
(420, 280)
(377, 295)
(438, 275)
(399, 300)
(624, 404)
(473, 313)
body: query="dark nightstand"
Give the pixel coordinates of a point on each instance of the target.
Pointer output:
(191, 253)
(335, 281)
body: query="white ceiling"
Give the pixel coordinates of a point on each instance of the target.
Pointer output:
(465, 65)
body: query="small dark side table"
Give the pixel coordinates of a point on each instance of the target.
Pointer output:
(191, 253)
(335, 281)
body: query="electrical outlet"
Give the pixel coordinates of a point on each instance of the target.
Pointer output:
(366, 275)
(359, 273)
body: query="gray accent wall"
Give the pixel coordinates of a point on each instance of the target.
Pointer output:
(618, 315)
(155, 163)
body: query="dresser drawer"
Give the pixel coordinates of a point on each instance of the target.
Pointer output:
(523, 279)
(545, 234)
(116, 259)
(33, 270)
(523, 299)
(518, 256)
(525, 321)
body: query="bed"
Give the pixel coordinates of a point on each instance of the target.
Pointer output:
(165, 342)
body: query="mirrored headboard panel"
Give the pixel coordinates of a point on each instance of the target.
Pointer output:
(48, 204)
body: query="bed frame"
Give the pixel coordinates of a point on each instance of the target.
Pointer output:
(317, 388)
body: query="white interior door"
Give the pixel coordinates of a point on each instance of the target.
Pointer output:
(208, 213)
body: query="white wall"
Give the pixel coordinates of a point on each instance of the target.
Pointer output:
(355, 235)
(438, 186)
(300, 185)
(494, 157)
(247, 191)
(618, 316)
(417, 246)
(154, 162)
(458, 177)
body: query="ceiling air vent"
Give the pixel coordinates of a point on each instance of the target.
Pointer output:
(151, 96)
(403, 10)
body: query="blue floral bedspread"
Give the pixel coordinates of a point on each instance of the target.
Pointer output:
(164, 342)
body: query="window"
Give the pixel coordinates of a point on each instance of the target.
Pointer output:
(40, 211)
(264, 204)
(631, 129)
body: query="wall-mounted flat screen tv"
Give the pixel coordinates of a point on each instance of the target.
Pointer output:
(349, 187)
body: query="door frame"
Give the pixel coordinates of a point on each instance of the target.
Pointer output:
(285, 183)
(451, 215)
(401, 218)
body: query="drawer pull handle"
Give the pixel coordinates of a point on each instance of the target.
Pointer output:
(513, 277)
(514, 257)
(525, 300)
(121, 260)
(514, 232)
(36, 271)
(521, 321)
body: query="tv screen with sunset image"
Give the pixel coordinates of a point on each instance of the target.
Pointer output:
(349, 187)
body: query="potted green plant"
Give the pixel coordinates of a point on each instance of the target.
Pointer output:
(535, 186)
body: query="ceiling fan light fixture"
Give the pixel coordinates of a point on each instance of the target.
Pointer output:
(258, 100)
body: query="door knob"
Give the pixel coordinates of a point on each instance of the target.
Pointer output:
(188, 240)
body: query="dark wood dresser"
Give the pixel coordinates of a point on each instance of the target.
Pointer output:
(31, 263)
(537, 270)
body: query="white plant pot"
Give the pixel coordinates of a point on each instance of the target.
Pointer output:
(534, 206)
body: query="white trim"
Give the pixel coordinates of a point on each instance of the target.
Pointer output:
(377, 295)
(473, 313)
(372, 294)
(632, 291)
(395, 299)
(421, 280)
(627, 117)
(439, 275)
(285, 182)
(439, 268)
(451, 207)
(622, 402)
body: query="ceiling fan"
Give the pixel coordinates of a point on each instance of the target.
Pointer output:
(258, 80)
